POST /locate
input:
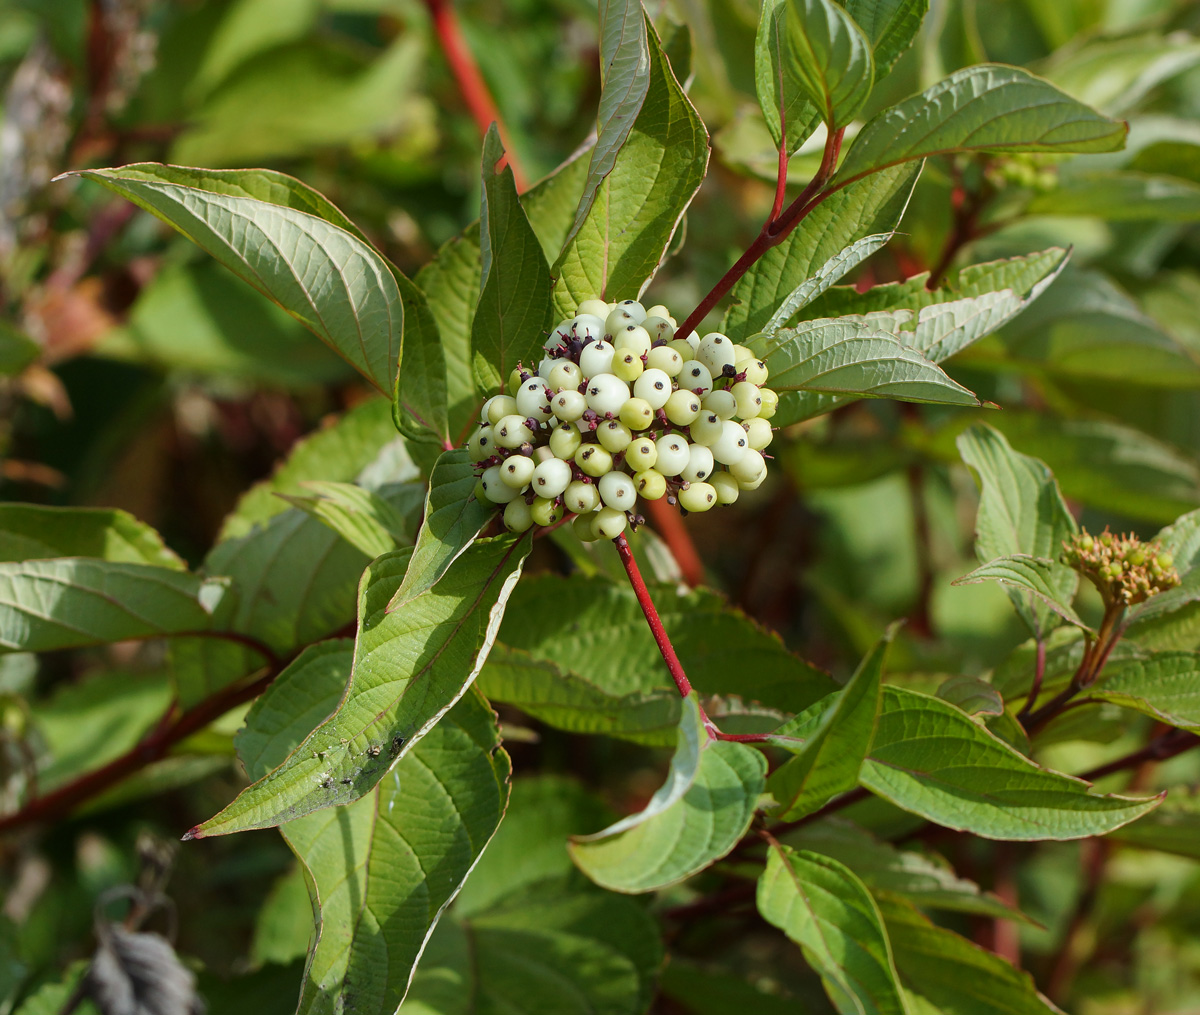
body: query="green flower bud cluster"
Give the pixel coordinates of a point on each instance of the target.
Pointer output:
(619, 409)
(1124, 569)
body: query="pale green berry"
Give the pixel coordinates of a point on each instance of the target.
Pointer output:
(587, 326)
(494, 487)
(641, 454)
(726, 486)
(542, 453)
(569, 405)
(596, 358)
(511, 432)
(721, 402)
(666, 359)
(606, 394)
(755, 371)
(517, 471)
(545, 366)
(565, 441)
(633, 308)
(632, 338)
(608, 523)
(618, 320)
(481, 445)
(546, 512)
(742, 354)
(614, 435)
(580, 498)
(654, 386)
(594, 305)
(594, 460)
(651, 484)
(706, 428)
(683, 347)
(566, 376)
(758, 433)
(517, 516)
(732, 445)
(697, 497)
(755, 483)
(658, 310)
(483, 410)
(560, 336)
(748, 467)
(660, 328)
(499, 406)
(672, 454)
(627, 365)
(682, 407)
(770, 402)
(617, 490)
(699, 466)
(694, 341)
(715, 352)
(533, 399)
(748, 399)
(585, 528)
(550, 478)
(695, 376)
(480, 491)
(636, 413)
(514, 383)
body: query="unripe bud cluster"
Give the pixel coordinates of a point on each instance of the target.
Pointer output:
(1123, 568)
(620, 409)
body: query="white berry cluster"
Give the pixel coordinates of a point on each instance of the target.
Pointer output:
(620, 408)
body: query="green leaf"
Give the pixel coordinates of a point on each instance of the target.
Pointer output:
(1020, 512)
(515, 309)
(421, 398)
(323, 275)
(987, 108)
(453, 518)
(925, 879)
(552, 202)
(931, 759)
(17, 350)
(695, 818)
(833, 752)
(451, 286)
(594, 628)
(828, 912)
(623, 229)
(361, 517)
(891, 25)
(953, 975)
(1174, 827)
(1089, 329)
(70, 602)
(1121, 197)
(410, 666)
(844, 356)
(384, 867)
(1115, 74)
(87, 724)
(830, 57)
(569, 702)
(29, 531)
(870, 206)
(1165, 687)
(1044, 578)
(549, 949)
(352, 447)
(833, 269)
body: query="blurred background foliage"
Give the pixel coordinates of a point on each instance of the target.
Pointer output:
(136, 373)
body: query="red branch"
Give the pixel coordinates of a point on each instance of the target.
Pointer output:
(474, 89)
(774, 231)
(152, 747)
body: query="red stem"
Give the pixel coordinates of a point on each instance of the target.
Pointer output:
(474, 89)
(152, 747)
(773, 232)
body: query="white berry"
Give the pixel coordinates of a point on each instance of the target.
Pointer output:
(700, 464)
(550, 478)
(732, 445)
(672, 454)
(511, 432)
(517, 471)
(617, 490)
(654, 386)
(596, 358)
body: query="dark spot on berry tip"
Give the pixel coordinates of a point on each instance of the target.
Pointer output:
(728, 370)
